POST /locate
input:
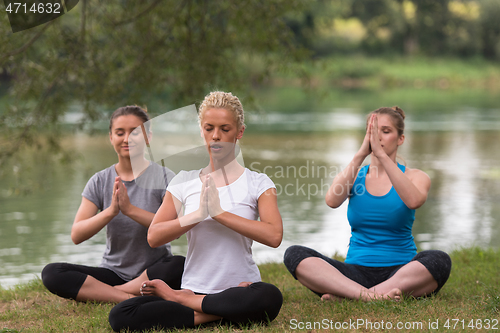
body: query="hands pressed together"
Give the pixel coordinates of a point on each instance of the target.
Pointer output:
(120, 200)
(371, 142)
(209, 199)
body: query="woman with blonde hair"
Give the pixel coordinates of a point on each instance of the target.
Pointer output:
(222, 205)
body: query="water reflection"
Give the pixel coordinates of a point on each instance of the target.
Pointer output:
(301, 154)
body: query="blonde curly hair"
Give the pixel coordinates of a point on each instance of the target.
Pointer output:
(223, 100)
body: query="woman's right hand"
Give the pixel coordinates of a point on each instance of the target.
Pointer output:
(213, 199)
(203, 209)
(114, 207)
(365, 148)
(343, 181)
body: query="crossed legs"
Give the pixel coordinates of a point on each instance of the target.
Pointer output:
(334, 280)
(321, 277)
(163, 307)
(85, 283)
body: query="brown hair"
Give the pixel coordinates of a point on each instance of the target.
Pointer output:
(223, 100)
(397, 115)
(134, 110)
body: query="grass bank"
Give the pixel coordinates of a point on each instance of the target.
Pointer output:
(375, 72)
(417, 84)
(470, 301)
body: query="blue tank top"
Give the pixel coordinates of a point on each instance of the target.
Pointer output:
(380, 227)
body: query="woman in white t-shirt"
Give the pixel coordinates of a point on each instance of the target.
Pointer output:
(222, 203)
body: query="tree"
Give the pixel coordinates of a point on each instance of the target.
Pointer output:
(432, 18)
(490, 29)
(106, 54)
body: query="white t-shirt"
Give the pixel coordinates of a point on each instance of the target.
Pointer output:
(219, 258)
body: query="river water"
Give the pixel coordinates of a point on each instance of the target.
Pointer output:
(301, 151)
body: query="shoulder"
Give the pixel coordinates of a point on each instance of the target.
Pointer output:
(184, 176)
(258, 182)
(166, 172)
(98, 185)
(362, 171)
(103, 175)
(417, 175)
(184, 184)
(257, 177)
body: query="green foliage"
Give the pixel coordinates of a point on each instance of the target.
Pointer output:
(462, 28)
(490, 30)
(106, 54)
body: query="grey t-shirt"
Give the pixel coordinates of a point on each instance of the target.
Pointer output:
(127, 252)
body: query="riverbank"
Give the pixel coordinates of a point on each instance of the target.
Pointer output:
(419, 84)
(470, 301)
(389, 72)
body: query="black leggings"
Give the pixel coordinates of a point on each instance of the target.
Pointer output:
(65, 280)
(258, 303)
(438, 263)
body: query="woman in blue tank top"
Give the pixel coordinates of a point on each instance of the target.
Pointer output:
(382, 260)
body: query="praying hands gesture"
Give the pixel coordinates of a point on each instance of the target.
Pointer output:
(371, 142)
(209, 198)
(120, 200)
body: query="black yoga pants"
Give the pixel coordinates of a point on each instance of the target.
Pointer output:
(438, 263)
(65, 280)
(260, 302)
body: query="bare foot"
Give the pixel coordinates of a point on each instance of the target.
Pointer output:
(394, 295)
(332, 298)
(159, 288)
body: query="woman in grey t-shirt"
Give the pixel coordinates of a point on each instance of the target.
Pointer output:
(123, 198)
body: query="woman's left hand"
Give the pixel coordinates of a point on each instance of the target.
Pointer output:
(123, 199)
(212, 194)
(377, 149)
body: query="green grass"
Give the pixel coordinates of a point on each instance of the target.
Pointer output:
(397, 71)
(472, 293)
(418, 85)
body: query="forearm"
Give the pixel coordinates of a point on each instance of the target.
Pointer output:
(260, 231)
(406, 189)
(141, 216)
(342, 183)
(162, 232)
(85, 229)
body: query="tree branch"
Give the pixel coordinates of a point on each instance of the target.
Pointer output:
(132, 19)
(83, 21)
(35, 115)
(28, 44)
